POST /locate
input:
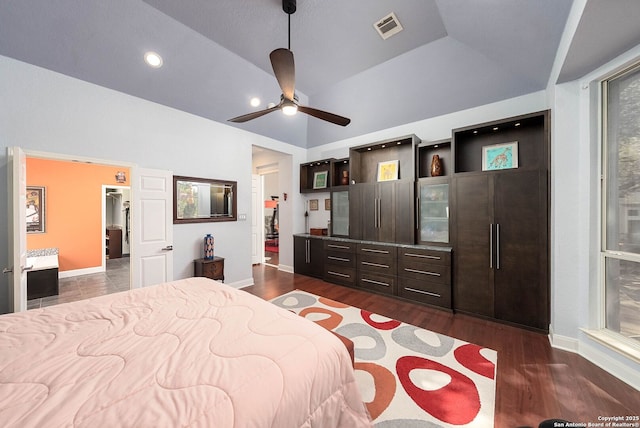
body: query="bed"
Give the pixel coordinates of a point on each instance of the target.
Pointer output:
(192, 352)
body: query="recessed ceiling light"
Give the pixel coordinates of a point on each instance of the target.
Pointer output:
(255, 102)
(153, 59)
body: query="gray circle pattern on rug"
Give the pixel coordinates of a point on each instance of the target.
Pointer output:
(303, 300)
(406, 336)
(356, 330)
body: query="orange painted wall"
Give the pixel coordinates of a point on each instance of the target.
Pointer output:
(73, 210)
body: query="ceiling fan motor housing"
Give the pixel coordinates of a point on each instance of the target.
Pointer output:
(289, 6)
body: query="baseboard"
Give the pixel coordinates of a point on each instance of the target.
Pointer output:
(240, 284)
(285, 268)
(605, 362)
(78, 272)
(597, 357)
(565, 343)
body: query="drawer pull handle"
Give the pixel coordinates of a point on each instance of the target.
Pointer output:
(422, 256)
(371, 250)
(330, 272)
(422, 292)
(339, 259)
(375, 265)
(342, 247)
(376, 282)
(422, 272)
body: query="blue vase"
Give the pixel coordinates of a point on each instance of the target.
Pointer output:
(208, 247)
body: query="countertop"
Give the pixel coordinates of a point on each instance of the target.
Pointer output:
(358, 241)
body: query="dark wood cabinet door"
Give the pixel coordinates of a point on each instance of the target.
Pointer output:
(364, 212)
(386, 201)
(405, 212)
(521, 280)
(300, 264)
(316, 258)
(473, 275)
(308, 256)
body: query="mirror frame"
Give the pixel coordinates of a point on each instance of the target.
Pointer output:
(234, 203)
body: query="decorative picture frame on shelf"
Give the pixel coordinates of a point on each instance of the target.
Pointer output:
(327, 204)
(313, 205)
(388, 170)
(320, 179)
(36, 206)
(500, 156)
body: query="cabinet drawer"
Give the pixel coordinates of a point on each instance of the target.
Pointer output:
(382, 265)
(426, 292)
(377, 250)
(424, 255)
(341, 246)
(440, 274)
(213, 270)
(379, 283)
(340, 275)
(336, 258)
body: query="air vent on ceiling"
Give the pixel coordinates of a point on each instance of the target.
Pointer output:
(388, 26)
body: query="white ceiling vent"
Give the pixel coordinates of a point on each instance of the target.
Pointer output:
(388, 26)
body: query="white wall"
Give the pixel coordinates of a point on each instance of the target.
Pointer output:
(576, 291)
(49, 112)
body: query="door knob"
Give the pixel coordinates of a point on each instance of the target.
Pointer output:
(168, 248)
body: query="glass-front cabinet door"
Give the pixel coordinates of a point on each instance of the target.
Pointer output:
(340, 213)
(433, 215)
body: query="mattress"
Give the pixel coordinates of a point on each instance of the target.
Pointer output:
(192, 352)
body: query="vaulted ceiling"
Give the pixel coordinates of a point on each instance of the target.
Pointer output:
(451, 54)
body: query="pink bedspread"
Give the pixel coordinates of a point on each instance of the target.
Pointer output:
(193, 352)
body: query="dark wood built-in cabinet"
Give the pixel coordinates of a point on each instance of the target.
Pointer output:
(381, 212)
(378, 267)
(501, 257)
(340, 262)
(308, 256)
(425, 275)
(464, 236)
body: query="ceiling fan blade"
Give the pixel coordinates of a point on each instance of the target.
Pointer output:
(285, 71)
(324, 115)
(255, 114)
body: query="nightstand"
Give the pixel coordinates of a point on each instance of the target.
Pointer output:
(213, 268)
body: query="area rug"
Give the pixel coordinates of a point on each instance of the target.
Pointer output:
(409, 377)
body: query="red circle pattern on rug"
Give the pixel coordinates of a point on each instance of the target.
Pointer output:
(385, 325)
(457, 403)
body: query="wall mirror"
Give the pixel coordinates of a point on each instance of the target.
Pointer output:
(199, 200)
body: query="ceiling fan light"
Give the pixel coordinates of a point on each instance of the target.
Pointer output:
(290, 109)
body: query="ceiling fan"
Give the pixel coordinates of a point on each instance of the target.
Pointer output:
(284, 70)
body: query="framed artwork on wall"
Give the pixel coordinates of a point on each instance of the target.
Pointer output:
(327, 204)
(500, 156)
(388, 170)
(35, 209)
(320, 180)
(313, 205)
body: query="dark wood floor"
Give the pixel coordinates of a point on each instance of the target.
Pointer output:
(534, 382)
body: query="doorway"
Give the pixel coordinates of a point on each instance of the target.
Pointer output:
(270, 196)
(80, 213)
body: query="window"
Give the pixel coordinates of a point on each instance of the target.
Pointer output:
(621, 203)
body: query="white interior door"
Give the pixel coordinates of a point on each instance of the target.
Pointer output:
(17, 189)
(152, 227)
(257, 254)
